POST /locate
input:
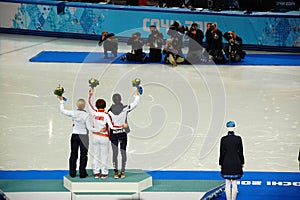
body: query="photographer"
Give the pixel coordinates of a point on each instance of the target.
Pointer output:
(155, 42)
(233, 50)
(195, 36)
(214, 43)
(136, 53)
(234, 4)
(174, 45)
(110, 43)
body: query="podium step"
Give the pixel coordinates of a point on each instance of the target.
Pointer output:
(136, 180)
(105, 196)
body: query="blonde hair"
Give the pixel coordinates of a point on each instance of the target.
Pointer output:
(81, 104)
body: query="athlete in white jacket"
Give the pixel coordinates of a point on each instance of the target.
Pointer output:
(80, 138)
(102, 122)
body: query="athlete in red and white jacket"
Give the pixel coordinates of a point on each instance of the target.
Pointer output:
(102, 122)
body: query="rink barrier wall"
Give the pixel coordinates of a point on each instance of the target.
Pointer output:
(260, 31)
(157, 175)
(254, 184)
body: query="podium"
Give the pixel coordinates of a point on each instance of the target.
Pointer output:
(139, 185)
(136, 180)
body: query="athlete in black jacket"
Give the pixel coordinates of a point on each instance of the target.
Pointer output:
(118, 113)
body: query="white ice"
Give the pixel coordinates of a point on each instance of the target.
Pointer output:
(178, 123)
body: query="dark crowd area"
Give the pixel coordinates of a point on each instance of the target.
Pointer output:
(216, 5)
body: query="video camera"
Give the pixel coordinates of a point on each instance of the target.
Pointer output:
(228, 36)
(106, 35)
(136, 35)
(211, 26)
(176, 27)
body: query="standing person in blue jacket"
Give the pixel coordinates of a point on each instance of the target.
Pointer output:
(231, 160)
(118, 113)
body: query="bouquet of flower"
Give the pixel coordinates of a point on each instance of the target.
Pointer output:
(137, 83)
(59, 92)
(93, 82)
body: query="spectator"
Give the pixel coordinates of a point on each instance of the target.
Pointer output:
(214, 43)
(174, 45)
(110, 43)
(174, 3)
(195, 44)
(136, 53)
(234, 4)
(132, 2)
(155, 42)
(234, 49)
(143, 2)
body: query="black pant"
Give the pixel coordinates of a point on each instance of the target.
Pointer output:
(234, 53)
(110, 46)
(115, 144)
(82, 142)
(155, 55)
(136, 57)
(217, 55)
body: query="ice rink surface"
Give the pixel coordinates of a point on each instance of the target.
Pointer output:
(177, 124)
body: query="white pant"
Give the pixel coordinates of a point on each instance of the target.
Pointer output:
(101, 151)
